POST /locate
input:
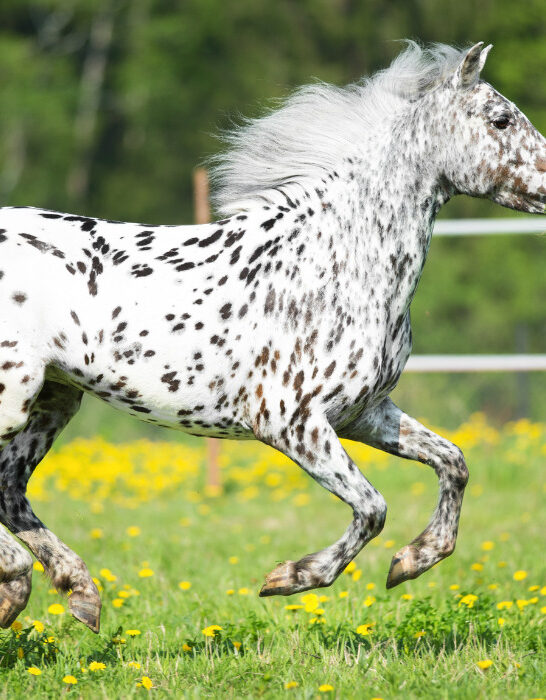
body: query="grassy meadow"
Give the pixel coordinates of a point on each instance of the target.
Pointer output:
(180, 566)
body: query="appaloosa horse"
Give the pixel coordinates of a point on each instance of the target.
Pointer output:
(287, 321)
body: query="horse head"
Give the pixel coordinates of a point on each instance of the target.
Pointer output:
(493, 150)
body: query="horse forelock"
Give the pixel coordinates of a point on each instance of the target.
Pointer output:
(318, 125)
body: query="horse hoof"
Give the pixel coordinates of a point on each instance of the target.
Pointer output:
(14, 596)
(86, 611)
(403, 566)
(283, 580)
(8, 612)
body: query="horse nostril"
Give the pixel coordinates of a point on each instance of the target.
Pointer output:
(541, 164)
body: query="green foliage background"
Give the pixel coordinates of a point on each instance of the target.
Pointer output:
(108, 105)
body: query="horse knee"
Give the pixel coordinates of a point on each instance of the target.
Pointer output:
(373, 515)
(459, 471)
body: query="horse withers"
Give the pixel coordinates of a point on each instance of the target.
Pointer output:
(287, 321)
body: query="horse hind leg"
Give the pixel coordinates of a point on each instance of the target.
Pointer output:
(15, 578)
(20, 381)
(315, 447)
(53, 408)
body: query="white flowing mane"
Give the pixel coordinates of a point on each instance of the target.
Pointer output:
(318, 125)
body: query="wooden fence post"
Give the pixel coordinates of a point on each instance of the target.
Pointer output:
(202, 216)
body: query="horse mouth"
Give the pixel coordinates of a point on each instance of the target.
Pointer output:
(522, 201)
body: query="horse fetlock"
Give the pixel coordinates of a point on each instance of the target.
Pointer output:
(14, 597)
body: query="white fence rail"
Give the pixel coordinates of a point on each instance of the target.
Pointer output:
(482, 363)
(480, 227)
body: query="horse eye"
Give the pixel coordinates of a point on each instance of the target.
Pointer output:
(501, 122)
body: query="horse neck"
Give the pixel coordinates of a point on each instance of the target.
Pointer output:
(393, 196)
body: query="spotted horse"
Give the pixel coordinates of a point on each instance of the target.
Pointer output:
(287, 321)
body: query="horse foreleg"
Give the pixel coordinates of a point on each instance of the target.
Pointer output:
(390, 429)
(54, 406)
(316, 448)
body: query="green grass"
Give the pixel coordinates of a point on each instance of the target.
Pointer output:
(279, 646)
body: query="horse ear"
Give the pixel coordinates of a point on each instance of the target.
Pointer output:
(483, 56)
(468, 72)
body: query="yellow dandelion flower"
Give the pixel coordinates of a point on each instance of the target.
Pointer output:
(476, 566)
(233, 560)
(133, 633)
(487, 546)
(107, 575)
(184, 585)
(324, 598)
(290, 685)
(343, 594)
(533, 588)
(38, 626)
(243, 591)
(237, 645)
(454, 587)
(211, 630)
(533, 600)
(118, 602)
(16, 626)
(133, 531)
(493, 586)
(370, 586)
(293, 607)
(124, 594)
(34, 671)
(317, 621)
(543, 590)
(365, 629)
(543, 610)
(389, 544)
(186, 647)
(502, 565)
(501, 622)
(311, 601)
(522, 603)
(96, 533)
(37, 566)
(146, 682)
(370, 600)
(520, 575)
(145, 573)
(70, 680)
(56, 609)
(504, 605)
(134, 664)
(325, 688)
(407, 596)
(302, 499)
(468, 600)
(350, 568)
(230, 591)
(485, 664)
(356, 575)
(417, 635)
(96, 666)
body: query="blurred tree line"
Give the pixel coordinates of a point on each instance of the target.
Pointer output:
(108, 105)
